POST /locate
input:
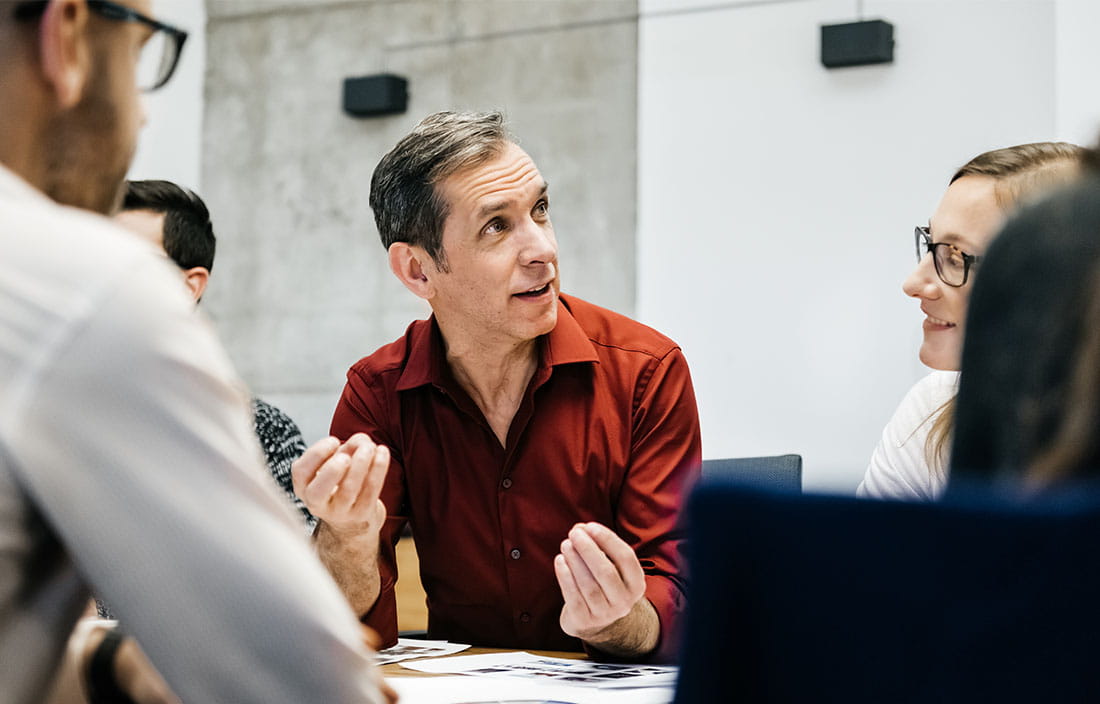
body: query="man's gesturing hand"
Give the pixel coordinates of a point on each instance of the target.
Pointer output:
(341, 483)
(603, 585)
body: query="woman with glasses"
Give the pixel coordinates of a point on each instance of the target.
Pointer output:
(911, 458)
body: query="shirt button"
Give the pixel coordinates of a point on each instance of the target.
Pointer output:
(525, 617)
(507, 483)
(515, 553)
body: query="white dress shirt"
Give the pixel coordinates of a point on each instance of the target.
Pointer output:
(128, 464)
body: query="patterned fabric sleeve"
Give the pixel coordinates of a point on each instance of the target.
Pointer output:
(282, 443)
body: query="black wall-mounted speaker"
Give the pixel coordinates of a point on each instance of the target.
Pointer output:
(373, 96)
(857, 43)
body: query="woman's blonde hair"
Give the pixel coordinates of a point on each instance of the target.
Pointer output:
(1022, 173)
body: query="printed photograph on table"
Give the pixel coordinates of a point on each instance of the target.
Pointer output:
(528, 666)
(411, 649)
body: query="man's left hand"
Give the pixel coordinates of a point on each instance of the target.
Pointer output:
(603, 585)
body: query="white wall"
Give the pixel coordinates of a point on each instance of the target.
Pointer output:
(170, 146)
(777, 199)
(1077, 52)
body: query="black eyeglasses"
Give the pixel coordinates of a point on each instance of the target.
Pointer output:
(952, 264)
(159, 55)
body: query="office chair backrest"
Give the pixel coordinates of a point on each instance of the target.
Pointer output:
(781, 472)
(810, 598)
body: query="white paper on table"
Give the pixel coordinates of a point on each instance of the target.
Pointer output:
(560, 670)
(511, 690)
(409, 648)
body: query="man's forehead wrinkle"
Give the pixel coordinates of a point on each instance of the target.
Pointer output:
(490, 203)
(490, 190)
(510, 176)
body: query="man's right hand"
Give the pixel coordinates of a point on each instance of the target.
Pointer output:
(340, 484)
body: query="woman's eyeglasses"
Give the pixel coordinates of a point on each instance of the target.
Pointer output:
(952, 264)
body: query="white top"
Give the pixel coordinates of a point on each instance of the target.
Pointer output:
(128, 463)
(899, 467)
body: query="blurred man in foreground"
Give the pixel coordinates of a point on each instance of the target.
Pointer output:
(127, 458)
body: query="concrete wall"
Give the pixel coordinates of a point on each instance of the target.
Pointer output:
(301, 287)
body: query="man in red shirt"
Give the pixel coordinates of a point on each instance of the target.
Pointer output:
(539, 445)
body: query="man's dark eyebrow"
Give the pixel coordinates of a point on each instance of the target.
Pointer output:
(498, 205)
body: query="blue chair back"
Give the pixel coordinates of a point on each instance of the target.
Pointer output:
(781, 472)
(813, 598)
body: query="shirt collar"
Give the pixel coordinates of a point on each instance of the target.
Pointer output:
(14, 186)
(567, 343)
(425, 362)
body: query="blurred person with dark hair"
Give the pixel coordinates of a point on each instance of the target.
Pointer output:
(1029, 402)
(177, 221)
(127, 460)
(911, 459)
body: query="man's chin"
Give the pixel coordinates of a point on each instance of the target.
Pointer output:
(115, 204)
(548, 322)
(103, 195)
(104, 202)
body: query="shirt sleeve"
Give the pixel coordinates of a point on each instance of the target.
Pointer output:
(282, 443)
(665, 462)
(136, 446)
(358, 411)
(899, 467)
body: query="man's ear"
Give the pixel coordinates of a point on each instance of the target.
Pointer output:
(64, 51)
(196, 278)
(413, 267)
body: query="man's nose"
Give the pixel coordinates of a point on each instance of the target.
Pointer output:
(539, 244)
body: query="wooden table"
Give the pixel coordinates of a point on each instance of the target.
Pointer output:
(412, 614)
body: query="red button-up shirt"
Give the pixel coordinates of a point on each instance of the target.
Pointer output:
(607, 431)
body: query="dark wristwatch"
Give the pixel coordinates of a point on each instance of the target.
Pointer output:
(102, 684)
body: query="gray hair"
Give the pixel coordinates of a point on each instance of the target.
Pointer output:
(403, 195)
